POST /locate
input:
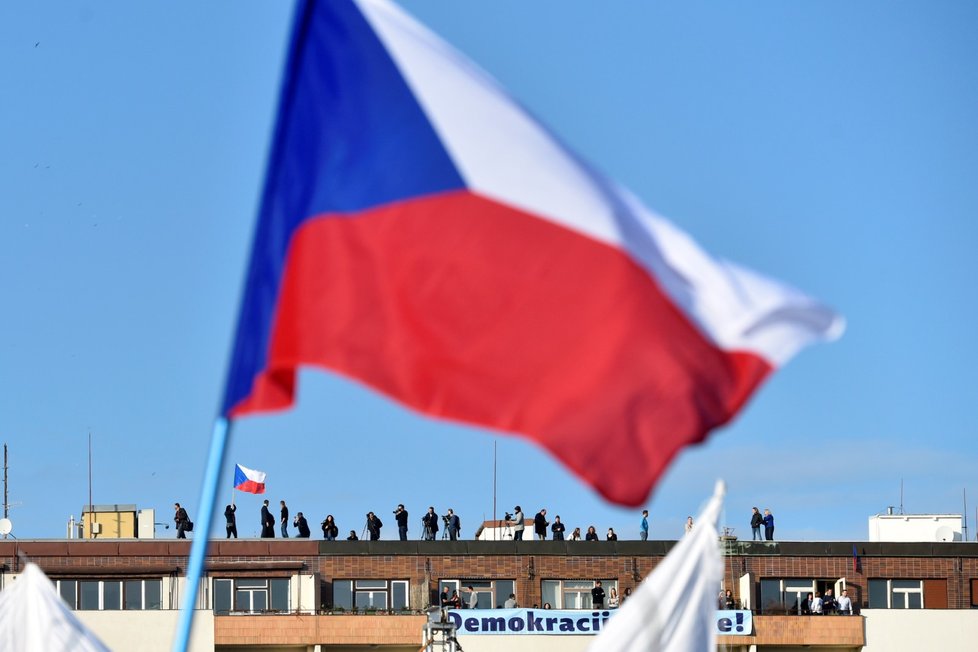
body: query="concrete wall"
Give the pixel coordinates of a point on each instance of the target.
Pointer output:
(947, 630)
(147, 631)
(915, 527)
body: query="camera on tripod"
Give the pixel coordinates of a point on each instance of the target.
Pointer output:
(508, 517)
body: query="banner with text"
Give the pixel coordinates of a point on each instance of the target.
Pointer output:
(568, 622)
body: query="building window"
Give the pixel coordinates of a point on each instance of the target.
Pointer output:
(790, 595)
(896, 594)
(143, 594)
(573, 594)
(250, 595)
(785, 595)
(111, 595)
(490, 594)
(364, 595)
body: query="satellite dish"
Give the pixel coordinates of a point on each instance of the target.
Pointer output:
(5, 526)
(944, 533)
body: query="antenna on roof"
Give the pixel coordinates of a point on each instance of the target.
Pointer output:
(6, 504)
(91, 510)
(901, 495)
(964, 496)
(494, 529)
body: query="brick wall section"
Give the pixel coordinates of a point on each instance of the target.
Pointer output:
(956, 570)
(840, 631)
(405, 630)
(529, 562)
(312, 630)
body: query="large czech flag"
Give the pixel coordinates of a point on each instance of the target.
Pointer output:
(420, 232)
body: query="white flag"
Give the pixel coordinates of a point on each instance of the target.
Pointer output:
(674, 610)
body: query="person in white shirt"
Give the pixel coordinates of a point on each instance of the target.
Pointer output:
(473, 598)
(510, 602)
(815, 606)
(844, 604)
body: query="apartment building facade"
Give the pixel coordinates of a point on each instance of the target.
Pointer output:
(354, 595)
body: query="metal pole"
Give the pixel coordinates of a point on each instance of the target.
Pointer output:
(91, 515)
(5, 501)
(964, 495)
(495, 530)
(198, 549)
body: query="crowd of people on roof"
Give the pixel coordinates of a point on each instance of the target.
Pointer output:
(513, 524)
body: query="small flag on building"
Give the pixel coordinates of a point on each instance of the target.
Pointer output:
(249, 480)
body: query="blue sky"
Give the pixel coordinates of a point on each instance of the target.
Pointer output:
(833, 145)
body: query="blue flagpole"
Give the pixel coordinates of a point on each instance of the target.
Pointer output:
(198, 549)
(222, 426)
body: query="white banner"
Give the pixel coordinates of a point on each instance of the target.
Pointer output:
(734, 623)
(529, 621)
(562, 622)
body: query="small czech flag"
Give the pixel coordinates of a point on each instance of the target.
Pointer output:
(249, 480)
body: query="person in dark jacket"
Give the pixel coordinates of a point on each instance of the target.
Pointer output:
(231, 524)
(330, 531)
(181, 520)
(756, 521)
(592, 534)
(455, 601)
(768, 525)
(558, 529)
(453, 524)
(284, 521)
(373, 526)
(597, 595)
(302, 525)
(828, 603)
(430, 523)
(267, 522)
(540, 524)
(401, 516)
